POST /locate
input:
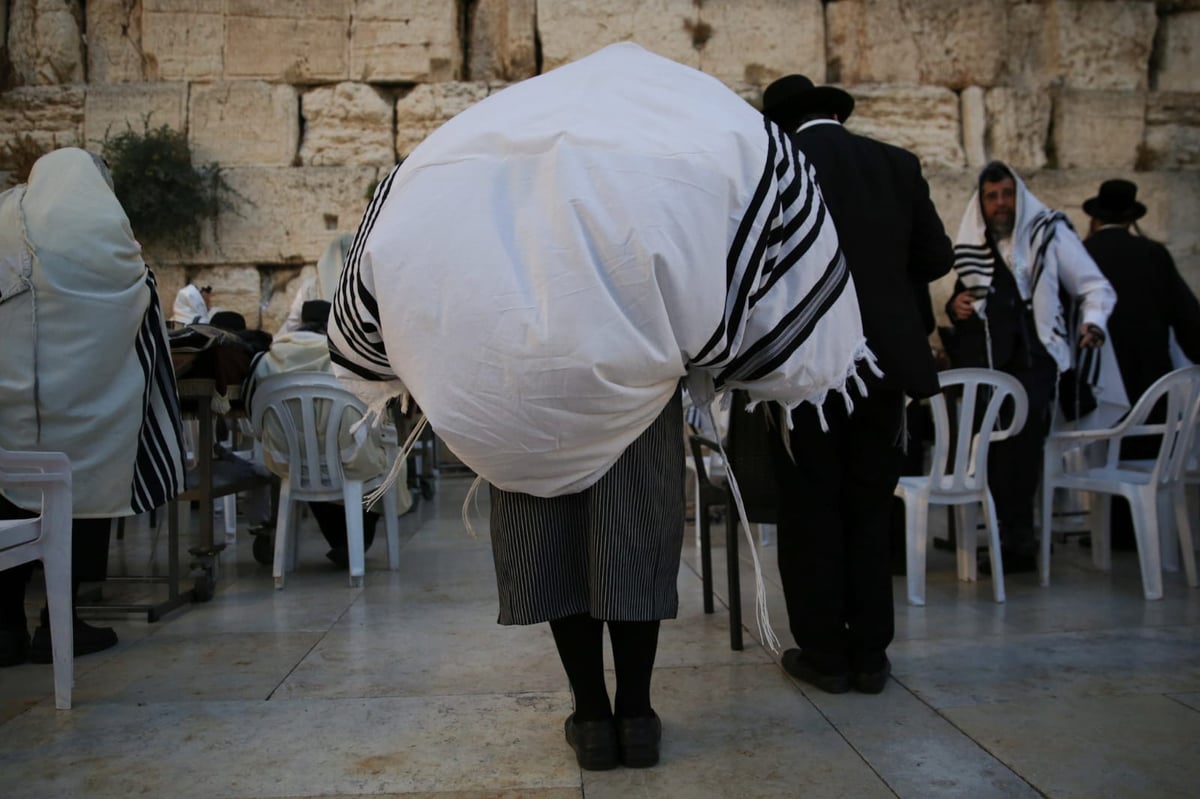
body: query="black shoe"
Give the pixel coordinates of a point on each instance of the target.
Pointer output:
(594, 742)
(638, 740)
(14, 646)
(339, 557)
(873, 682)
(88, 639)
(795, 664)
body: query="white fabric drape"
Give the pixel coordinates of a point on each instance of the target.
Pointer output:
(543, 269)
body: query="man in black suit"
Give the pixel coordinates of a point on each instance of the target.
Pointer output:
(1152, 301)
(836, 485)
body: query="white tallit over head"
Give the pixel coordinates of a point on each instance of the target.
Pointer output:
(1046, 250)
(543, 269)
(84, 364)
(190, 307)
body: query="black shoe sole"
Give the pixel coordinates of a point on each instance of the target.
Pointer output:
(594, 750)
(794, 665)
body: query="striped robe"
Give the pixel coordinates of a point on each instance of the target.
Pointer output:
(543, 269)
(85, 368)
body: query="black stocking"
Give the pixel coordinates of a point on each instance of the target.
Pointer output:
(580, 642)
(634, 644)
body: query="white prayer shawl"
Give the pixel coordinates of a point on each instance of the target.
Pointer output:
(1046, 251)
(544, 268)
(84, 364)
(190, 307)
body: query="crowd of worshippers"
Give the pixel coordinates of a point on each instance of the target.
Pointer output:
(1031, 298)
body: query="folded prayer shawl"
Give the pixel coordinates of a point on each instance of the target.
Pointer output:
(544, 268)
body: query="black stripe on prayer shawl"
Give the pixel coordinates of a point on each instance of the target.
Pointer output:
(336, 356)
(355, 309)
(797, 251)
(156, 472)
(738, 251)
(776, 347)
(1045, 226)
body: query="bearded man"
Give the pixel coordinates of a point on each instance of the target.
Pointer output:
(1015, 259)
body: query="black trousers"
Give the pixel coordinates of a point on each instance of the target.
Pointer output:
(834, 529)
(1015, 464)
(89, 561)
(331, 519)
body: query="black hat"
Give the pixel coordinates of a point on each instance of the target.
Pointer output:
(1116, 203)
(228, 320)
(792, 97)
(315, 312)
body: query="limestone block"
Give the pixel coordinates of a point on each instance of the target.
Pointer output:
(923, 119)
(45, 45)
(1172, 131)
(51, 115)
(752, 41)
(429, 105)
(405, 40)
(974, 125)
(916, 41)
(1098, 128)
(288, 214)
(298, 41)
(1102, 45)
(183, 39)
(244, 122)
(279, 288)
(1030, 62)
(1176, 65)
(236, 287)
(757, 41)
(113, 108)
(503, 44)
(1018, 126)
(346, 124)
(114, 41)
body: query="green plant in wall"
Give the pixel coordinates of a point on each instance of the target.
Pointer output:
(166, 196)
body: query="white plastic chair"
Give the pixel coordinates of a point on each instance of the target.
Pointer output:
(298, 400)
(47, 538)
(1150, 487)
(964, 482)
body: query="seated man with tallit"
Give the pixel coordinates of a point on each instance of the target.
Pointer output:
(307, 350)
(85, 370)
(541, 274)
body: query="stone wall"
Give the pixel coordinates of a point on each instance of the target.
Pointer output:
(307, 102)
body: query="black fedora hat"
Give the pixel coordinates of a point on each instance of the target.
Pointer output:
(792, 97)
(1116, 203)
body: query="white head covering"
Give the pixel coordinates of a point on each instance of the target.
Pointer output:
(190, 307)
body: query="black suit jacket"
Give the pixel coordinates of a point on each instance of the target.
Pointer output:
(1152, 299)
(894, 244)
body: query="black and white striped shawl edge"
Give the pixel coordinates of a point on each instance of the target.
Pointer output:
(158, 465)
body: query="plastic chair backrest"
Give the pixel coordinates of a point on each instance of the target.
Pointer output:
(309, 408)
(1181, 388)
(697, 444)
(984, 392)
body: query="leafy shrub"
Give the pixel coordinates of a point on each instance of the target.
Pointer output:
(166, 197)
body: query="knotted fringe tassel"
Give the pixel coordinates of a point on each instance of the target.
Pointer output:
(761, 614)
(472, 494)
(394, 473)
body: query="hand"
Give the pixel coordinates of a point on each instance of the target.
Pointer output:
(1091, 337)
(962, 305)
